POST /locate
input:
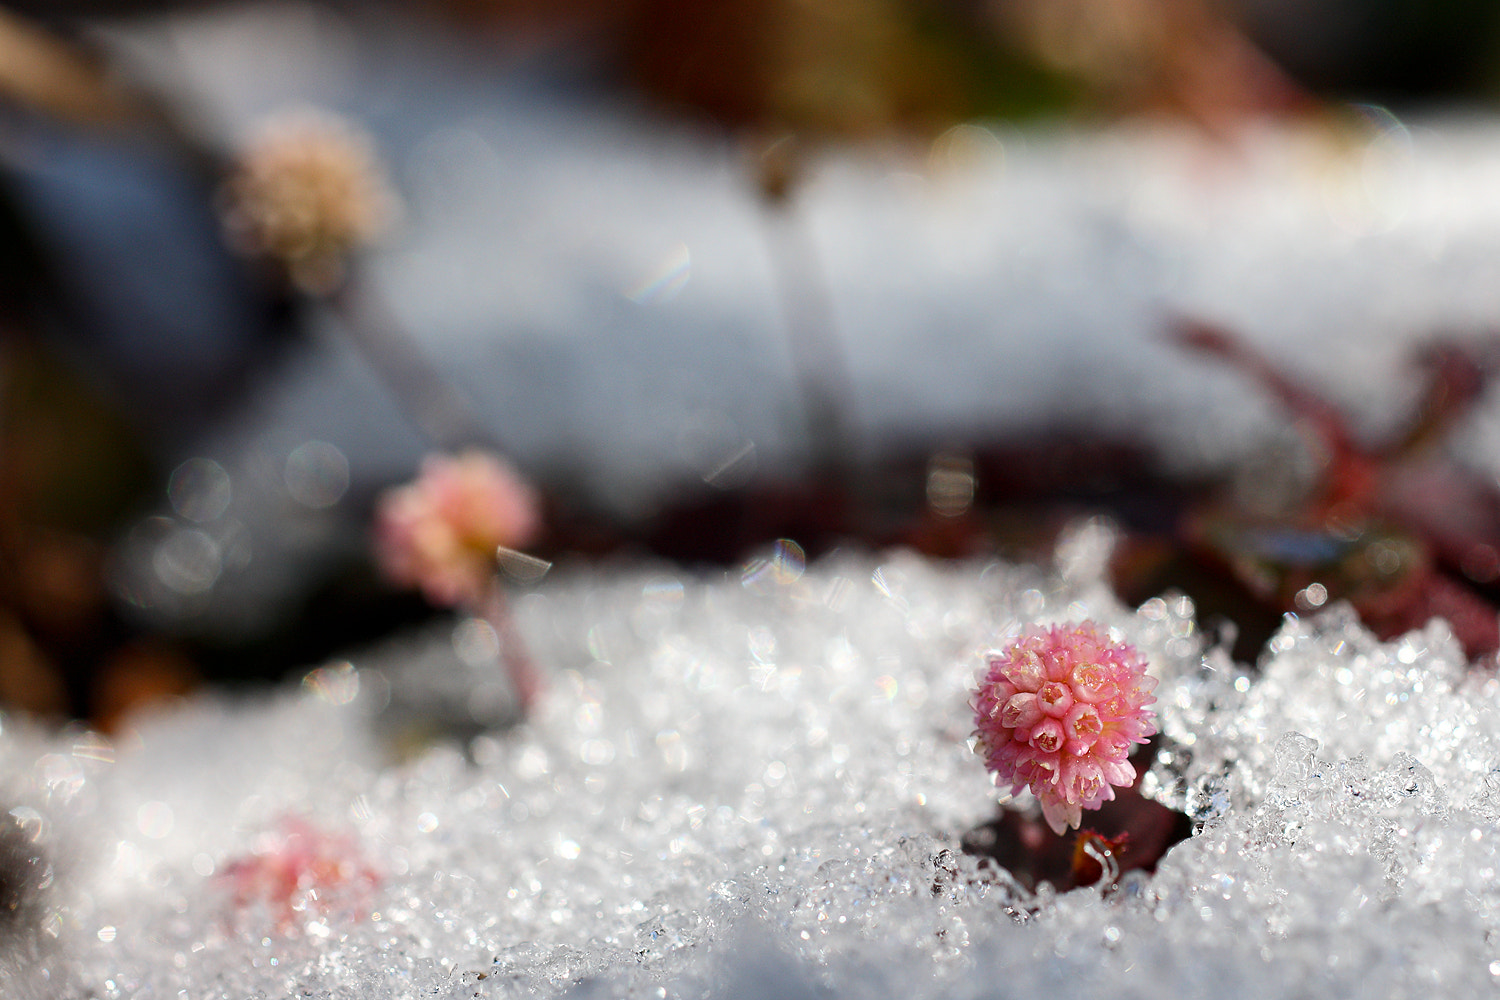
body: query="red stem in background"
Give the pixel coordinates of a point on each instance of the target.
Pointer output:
(819, 361)
(514, 657)
(428, 398)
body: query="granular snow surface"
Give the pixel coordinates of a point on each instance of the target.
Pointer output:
(754, 785)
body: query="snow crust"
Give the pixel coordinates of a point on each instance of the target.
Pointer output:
(753, 785)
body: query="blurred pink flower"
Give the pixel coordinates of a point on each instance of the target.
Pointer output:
(1057, 712)
(441, 532)
(298, 868)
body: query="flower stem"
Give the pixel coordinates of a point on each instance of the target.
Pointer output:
(514, 657)
(428, 398)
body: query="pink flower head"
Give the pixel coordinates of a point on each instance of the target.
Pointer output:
(1058, 711)
(441, 532)
(299, 869)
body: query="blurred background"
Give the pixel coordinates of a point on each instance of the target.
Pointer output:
(938, 273)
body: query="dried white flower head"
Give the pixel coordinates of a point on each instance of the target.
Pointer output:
(308, 191)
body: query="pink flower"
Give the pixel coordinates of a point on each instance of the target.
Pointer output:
(441, 532)
(299, 869)
(1058, 711)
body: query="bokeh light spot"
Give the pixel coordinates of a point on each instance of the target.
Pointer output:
(317, 474)
(784, 566)
(200, 490)
(187, 561)
(336, 683)
(154, 819)
(665, 280)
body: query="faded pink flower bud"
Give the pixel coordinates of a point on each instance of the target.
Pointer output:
(441, 533)
(308, 191)
(1058, 711)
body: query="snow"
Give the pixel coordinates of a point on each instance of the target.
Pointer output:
(755, 785)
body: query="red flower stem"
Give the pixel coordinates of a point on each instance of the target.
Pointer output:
(514, 657)
(427, 397)
(807, 313)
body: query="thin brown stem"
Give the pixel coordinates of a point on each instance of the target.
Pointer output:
(428, 398)
(514, 657)
(820, 362)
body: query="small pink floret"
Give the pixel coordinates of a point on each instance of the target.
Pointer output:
(298, 869)
(1058, 712)
(441, 532)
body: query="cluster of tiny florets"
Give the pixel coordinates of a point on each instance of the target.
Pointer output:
(1058, 711)
(441, 532)
(308, 191)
